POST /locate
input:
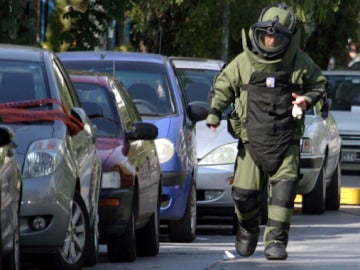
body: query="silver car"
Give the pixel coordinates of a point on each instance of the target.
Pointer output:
(56, 152)
(344, 90)
(10, 179)
(216, 151)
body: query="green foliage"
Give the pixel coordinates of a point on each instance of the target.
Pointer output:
(201, 28)
(79, 26)
(15, 26)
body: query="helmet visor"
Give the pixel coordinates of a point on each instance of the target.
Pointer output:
(270, 39)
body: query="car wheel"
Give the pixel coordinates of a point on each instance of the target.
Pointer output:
(183, 230)
(148, 238)
(333, 191)
(313, 203)
(72, 254)
(12, 260)
(123, 248)
(93, 256)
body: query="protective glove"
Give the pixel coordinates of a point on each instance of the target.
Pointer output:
(297, 111)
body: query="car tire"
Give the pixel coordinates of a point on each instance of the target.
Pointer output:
(333, 191)
(93, 256)
(313, 203)
(148, 238)
(184, 229)
(123, 248)
(12, 260)
(77, 239)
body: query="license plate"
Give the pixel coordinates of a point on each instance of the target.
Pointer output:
(348, 156)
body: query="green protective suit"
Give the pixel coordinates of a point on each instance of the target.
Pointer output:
(249, 178)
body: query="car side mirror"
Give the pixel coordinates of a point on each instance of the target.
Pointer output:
(326, 107)
(142, 131)
(6, 135)
(197, 112)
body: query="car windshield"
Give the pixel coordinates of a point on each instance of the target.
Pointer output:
(344, 90)
(100, 108)
(21, 81)
(197, 83)
(146, 83)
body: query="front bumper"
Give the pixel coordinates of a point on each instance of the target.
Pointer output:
(310, 166)
(49, 197)
(214, 190)
(175, 194)
(114, 219)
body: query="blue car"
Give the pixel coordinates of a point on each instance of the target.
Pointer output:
(152, 84)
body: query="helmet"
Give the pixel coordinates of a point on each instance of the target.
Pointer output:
(271, 35)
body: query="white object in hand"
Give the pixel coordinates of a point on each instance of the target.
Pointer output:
(297, 111)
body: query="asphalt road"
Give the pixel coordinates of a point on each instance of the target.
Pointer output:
(330, 241)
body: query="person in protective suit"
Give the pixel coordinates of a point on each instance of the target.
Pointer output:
(270, 84)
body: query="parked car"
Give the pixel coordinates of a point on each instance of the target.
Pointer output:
(11, 180)
(152, 84)
(320, 151)
(344, 91)
(130, 197)
(56, 151)
(216, 151)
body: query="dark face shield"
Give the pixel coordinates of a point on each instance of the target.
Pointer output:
(270, 39)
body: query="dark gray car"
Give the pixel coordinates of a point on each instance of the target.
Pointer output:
(10, 179)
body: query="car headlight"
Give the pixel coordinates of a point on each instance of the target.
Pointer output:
(111, 180)
(306, 145)
(43, 157)
(164, 149)
(225, 154)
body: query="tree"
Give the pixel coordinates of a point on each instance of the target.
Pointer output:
(82, 25)
(15, 24)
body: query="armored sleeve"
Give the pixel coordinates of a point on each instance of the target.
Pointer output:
(313, 81)
(225, 89)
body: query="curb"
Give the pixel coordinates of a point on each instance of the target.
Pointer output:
(348, 195)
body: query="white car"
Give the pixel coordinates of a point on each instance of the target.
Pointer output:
(216, 151)
(344, 90)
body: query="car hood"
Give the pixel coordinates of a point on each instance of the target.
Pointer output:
(164, 125)
(26, 134)
(347, 121)
(208, 140)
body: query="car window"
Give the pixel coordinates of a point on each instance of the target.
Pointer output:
(126, 108)
(20, 81)
(65, 93)
(99, 106)
(344, 90)
(197, 83)
(147, 83)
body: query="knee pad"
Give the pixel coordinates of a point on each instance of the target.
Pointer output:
(245, 200)
(283, 192)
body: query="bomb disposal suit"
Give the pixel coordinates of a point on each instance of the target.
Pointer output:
(260, 82)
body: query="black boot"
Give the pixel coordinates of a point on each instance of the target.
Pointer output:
(275, 251)
(246, 241)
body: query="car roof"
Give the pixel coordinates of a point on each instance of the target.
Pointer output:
(111, 55)
(196, 63)
(21, 52)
